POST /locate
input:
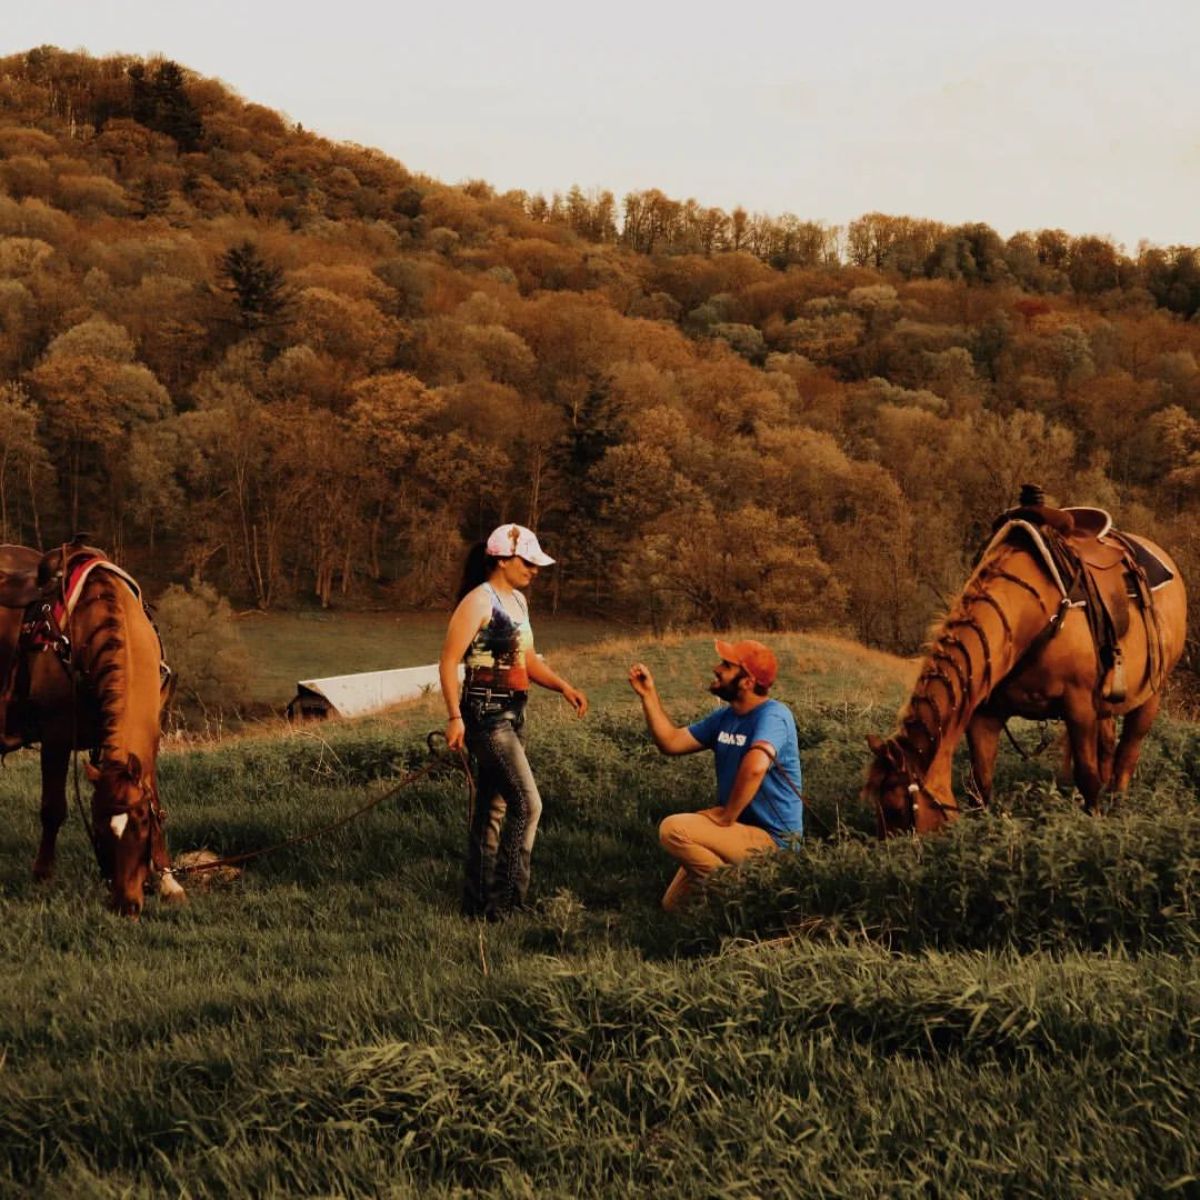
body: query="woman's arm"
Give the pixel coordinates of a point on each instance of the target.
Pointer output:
(539, 671)
(466, 622)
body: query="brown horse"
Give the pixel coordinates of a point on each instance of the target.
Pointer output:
(102, 691)
(1013, 646)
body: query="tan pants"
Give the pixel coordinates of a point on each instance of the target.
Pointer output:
(701, 846)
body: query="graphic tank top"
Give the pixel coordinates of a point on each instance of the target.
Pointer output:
(501, 644)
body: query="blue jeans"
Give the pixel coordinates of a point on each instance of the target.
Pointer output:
(507, 806)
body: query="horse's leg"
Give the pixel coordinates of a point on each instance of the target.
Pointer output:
(983, 741)
(55, 757)
(169, 888)
(1106, 745)
(1081, 722)
(1133, 730)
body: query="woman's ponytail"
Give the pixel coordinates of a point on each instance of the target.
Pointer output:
(477, 568)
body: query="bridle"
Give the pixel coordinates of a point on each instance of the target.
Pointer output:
(104, 812)
(915, 790)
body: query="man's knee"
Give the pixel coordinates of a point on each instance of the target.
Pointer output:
(672, 833)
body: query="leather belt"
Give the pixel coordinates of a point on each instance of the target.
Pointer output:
(487, 694)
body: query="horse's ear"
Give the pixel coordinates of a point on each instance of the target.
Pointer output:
(885, 749)
(133, 768)
(93, 772)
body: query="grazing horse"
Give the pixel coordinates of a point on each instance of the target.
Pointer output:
(92, 682)
(1019, 642)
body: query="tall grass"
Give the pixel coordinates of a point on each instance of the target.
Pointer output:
(1010, 1009)
(1065, 880)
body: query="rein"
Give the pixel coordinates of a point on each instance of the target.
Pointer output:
(808, 809)
(917, 789)
(301, 839)
(1044, 740)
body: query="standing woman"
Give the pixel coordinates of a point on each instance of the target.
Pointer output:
(490, 632)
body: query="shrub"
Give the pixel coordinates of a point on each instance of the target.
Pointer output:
(202, 645)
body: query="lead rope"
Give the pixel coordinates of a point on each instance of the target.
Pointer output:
(300, 839)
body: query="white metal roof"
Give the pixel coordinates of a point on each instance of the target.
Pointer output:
(355, 695)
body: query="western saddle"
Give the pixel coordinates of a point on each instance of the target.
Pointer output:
(1097, 569)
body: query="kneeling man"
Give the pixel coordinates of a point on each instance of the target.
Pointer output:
(757, 757)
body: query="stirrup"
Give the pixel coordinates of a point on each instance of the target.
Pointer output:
(1116, 689)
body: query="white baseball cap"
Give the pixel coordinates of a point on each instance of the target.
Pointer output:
(508, 541)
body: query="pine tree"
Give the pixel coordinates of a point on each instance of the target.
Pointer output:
(177, 115)
(153, 196)
(256, 285)
(162, 104)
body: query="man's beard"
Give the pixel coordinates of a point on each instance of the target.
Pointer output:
(726, 691)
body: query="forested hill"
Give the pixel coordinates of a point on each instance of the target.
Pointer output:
(235, 351)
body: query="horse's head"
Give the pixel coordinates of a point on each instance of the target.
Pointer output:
(887, 786)
(123, 817)
(895, 789)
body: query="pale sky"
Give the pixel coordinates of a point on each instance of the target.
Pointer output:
(1056, 113)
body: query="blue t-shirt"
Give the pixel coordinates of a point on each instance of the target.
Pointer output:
(776, 807)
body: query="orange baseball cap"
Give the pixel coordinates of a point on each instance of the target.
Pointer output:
(753, 657)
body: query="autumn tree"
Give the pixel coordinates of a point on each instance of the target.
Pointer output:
(25, 470)
(748, 568)
(93, 396)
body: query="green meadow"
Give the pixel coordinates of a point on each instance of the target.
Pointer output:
(283, 648)
(1008, 1009)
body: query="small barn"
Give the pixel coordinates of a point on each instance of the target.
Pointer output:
(357, 695)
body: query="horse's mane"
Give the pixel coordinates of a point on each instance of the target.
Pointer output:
(104, 654)
(947, 669)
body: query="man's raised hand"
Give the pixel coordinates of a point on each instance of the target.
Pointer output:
(640, 679)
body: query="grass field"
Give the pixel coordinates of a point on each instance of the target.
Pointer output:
(282, 648)
(1010, 1009)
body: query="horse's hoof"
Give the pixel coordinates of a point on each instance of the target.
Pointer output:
(42, 874)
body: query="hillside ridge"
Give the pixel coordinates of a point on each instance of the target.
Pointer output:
(245, 356)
